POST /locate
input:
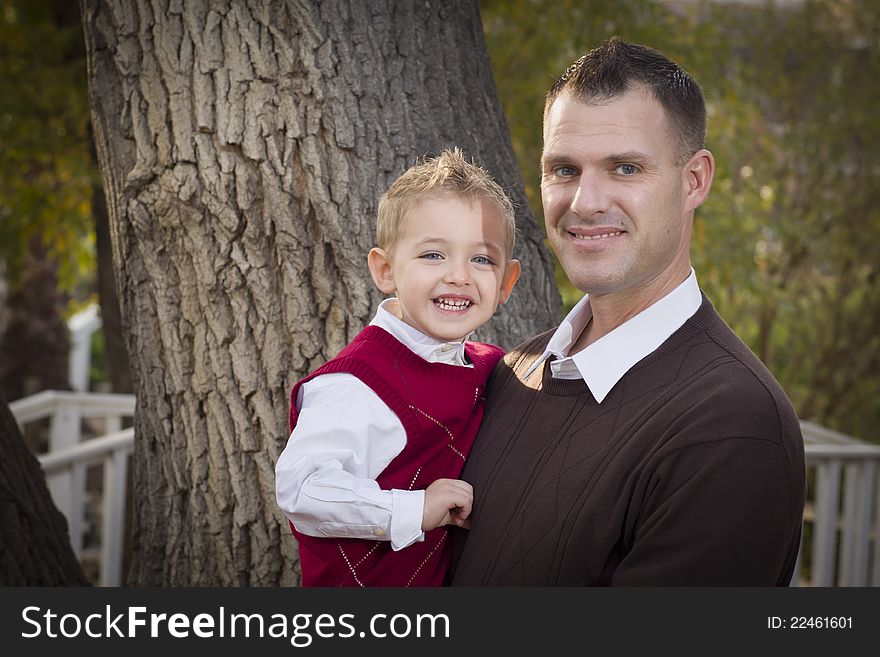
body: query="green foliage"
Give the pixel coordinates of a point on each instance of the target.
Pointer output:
(797, 129)
(46, 173)
(786, 246)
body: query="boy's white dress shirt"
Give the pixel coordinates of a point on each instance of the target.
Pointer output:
(344, 438)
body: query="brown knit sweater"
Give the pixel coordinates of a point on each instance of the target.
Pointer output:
(691, 472)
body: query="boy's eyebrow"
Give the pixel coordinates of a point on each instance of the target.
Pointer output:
(428, 241)
(489, 245)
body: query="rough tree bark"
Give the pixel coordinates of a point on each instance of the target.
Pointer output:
(34, 544)
(115, 352)
(244, 146)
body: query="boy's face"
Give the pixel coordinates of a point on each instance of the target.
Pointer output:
(449, 267)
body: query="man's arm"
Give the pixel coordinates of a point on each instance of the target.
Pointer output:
(725, 512)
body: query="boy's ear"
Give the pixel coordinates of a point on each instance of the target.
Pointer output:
(380, 269)
(511, 276)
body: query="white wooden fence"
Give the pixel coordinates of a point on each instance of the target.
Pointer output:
(842, 518)
(840, 546)
(68, 458)
(81, 327)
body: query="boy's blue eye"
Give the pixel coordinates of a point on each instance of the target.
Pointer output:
(431, 256)
(482, 260)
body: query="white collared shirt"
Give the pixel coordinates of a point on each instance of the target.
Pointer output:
(345, 436)
(602, 364)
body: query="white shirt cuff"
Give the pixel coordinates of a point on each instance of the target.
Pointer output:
(407, 512)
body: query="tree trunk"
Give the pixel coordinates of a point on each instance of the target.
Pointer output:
(244, 146)
(116, 356)
(34, 545)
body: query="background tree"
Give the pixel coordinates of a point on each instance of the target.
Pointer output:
(51, 231)
(44, 175)
(791, 241)
(34, 342)
(244, 146)
(34, 545)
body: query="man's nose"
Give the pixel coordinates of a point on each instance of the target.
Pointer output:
(591, 196)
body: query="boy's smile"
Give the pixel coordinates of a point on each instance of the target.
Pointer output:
(453, 304)
(448, 268)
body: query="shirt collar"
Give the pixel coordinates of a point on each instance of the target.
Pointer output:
(435, 351)
(602, 364)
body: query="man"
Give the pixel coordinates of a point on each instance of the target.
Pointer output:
(639, 443)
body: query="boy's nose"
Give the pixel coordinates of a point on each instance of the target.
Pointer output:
(457, 274)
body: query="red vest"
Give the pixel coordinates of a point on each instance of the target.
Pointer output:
(440, 407)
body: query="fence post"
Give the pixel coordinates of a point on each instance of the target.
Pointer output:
(857, 504)
(66, 487)
(825, 524)
(875, 577)
(81, 326)
(113, 522)
(112, 424)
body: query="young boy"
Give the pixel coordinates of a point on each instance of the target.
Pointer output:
(380, 433)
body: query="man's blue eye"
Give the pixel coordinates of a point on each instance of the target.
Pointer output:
(566, 172)
(627, 169)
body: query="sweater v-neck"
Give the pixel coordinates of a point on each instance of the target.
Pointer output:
(694, 325)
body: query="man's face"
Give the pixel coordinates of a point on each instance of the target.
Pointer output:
(616, 204)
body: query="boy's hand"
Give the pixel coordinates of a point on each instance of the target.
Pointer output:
(447, 502)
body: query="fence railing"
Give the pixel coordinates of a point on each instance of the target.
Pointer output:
(68, 458)
(840, 544)
(112, 452)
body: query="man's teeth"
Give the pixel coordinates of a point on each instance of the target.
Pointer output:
(452, 304)
(598, 237)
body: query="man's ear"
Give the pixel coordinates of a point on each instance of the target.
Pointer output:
(698, 172)
(511, 276)
(379, 262)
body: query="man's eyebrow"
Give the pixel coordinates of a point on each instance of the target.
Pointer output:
(628, 156)
(554, 159)
(551, 160)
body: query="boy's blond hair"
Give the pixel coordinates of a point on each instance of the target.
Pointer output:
(448, 174)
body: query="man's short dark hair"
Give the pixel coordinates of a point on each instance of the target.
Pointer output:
(616, 66)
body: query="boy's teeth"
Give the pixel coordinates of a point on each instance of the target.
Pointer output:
(453, 304)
